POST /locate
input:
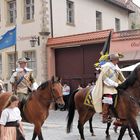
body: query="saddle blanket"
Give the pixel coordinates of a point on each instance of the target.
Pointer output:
(88, 99)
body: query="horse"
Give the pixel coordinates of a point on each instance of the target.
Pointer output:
(127, 108)
(36, 109)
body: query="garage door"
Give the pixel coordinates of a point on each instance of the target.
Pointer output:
(75, 65)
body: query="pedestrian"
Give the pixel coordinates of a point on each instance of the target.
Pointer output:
(11, 127)
(105, 89)
(22, 80)
(66, 93)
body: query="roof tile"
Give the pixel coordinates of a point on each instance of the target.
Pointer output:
(85, 37)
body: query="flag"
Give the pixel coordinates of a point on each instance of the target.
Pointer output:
(104, 53)
(106, 46)
(8, 39)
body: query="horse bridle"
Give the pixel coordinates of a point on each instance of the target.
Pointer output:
(53, 95)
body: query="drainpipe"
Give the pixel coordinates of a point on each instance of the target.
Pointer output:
(51, 18)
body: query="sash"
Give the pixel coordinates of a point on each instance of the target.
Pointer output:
(21, 78)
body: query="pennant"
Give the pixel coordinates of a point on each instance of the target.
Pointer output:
(8, 39)
(104, 53)
(106, 46)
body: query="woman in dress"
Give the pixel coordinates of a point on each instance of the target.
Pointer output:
(10, 122)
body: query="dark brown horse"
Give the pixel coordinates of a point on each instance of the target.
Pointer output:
(37, 107)
(127, 106)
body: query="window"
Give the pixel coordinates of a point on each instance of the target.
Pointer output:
(70, 12)
(11, 11)
(29, 9)
(11, 64)
(98, 20)
(0, 66)
(32, 63)
(117, 24)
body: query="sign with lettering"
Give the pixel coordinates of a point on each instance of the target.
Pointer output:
(135, 44)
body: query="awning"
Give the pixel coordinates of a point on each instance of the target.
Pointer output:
(130, 68)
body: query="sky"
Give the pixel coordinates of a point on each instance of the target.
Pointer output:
(137, 2)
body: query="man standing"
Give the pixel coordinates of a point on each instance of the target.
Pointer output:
(66, 93)
(105, 89)
(22, 80)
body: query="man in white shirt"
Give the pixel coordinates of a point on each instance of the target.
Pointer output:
(66, 93)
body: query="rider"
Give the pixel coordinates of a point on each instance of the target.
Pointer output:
(22, 80)
(108, 80)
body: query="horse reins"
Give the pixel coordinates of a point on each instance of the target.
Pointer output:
(53, 96)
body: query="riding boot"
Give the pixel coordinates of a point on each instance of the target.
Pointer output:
(105, 113)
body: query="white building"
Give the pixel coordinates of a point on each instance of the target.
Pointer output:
(34, 19)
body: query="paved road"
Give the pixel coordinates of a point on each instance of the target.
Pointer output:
(54, 128)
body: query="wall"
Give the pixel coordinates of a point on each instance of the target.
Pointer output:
(85, 16)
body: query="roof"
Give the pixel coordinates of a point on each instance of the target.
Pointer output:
(92, 37)
(84, 38)
(125, 4)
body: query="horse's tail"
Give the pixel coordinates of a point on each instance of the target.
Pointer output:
(71, 111)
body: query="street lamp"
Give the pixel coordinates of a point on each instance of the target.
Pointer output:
(34, 40)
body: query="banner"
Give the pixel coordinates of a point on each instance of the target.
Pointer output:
(106, 46)
(8, 39)
(104, 53)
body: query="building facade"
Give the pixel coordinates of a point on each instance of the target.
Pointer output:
(36, 21)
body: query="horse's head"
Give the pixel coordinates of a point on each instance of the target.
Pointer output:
(51, 91)
(56, 92)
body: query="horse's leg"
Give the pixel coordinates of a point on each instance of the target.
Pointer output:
(34, 135)
(130, 131)
(91, 129)
(81, 130)
(37, 132)
(107, 129)
(135, 128)
(40, 137)
(122, 131)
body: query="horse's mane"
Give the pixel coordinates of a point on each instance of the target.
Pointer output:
(43, 85)
(131, 79)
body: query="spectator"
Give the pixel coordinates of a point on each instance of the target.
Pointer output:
(66, 93)
(11, 126)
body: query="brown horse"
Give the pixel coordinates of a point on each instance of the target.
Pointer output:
(127, 106)
(36, 110)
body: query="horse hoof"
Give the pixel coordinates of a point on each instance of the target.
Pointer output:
(93, 134)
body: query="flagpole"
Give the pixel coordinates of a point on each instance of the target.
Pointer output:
(15, 56)
(15, 53)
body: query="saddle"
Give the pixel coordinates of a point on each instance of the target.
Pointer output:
(88, 99)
